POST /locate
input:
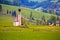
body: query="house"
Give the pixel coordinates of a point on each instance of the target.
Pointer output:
(57, 23)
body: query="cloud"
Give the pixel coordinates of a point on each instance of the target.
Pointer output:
(54, 0)
(37, 0)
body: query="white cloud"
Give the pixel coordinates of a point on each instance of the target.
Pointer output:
(54, 0)
(38, 0)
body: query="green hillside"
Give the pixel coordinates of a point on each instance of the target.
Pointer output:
(33, 32)
(25, 12)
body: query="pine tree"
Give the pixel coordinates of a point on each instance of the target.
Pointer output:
(14, 14)
(58, 18)
(0, 9)
(43, 20)
(31, 16)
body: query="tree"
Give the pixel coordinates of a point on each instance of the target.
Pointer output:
(37, 22)
(31, 16)
(52, 19)
(14, 14)
(58, 18)
(0, 9)
(43, 20)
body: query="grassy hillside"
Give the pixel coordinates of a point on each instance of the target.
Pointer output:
(25, 12)
(34, 32)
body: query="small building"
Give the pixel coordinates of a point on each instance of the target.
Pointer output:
(57, 23)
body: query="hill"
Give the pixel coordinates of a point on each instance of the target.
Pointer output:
(25, 12)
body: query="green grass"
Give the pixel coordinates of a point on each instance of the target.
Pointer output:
(29, 36)
(34, 32)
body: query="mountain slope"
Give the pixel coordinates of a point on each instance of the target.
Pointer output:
(26, 12)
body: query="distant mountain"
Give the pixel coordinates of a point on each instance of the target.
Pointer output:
(31, 4)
